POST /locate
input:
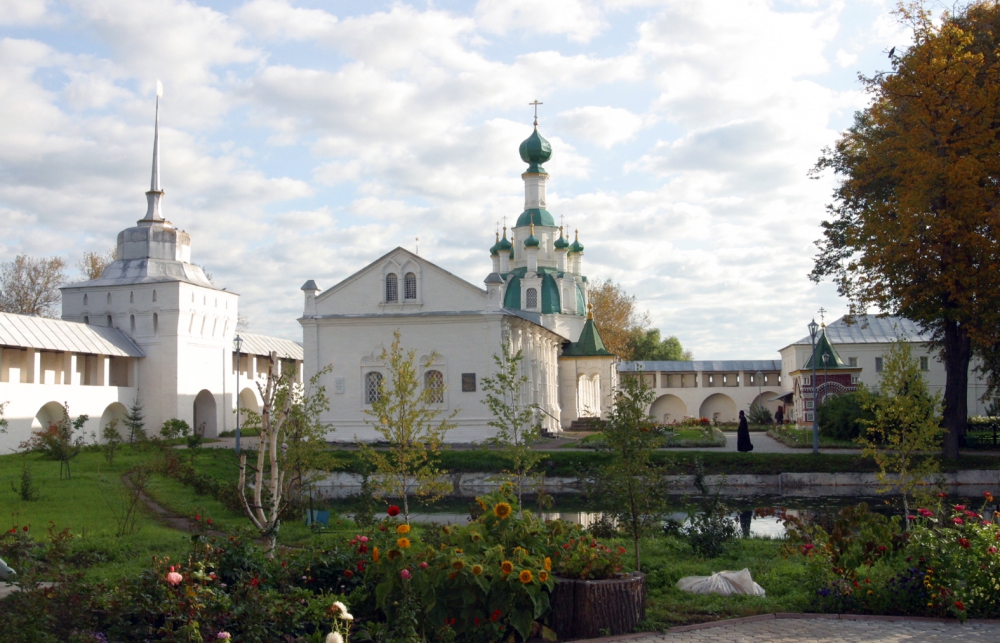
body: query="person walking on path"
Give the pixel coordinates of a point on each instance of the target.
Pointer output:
(743, 443)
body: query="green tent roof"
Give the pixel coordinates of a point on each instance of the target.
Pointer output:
(824, 347)
(590, 343)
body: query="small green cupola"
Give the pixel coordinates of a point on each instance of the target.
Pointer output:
(561, 243)
(824, 348)
(576, 247)
(504, 244)
(531, 241)
(535, 150)
(495, 248)
(590, 343)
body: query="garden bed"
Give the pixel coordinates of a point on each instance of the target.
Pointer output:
(797, 438)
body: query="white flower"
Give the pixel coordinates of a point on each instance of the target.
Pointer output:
(334, 637)
(340, 606)
(347, 617)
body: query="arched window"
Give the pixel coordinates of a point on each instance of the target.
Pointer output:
(156, 322)
(109, 319)
(434, 387)
(109, 298)
(391, 287)
(85, 300)
(531, 298)
(410, 286)
(154, 295)
(373, 387)
(86, 320)
(131, 323)
(131, 297)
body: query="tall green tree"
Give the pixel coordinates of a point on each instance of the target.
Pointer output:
(915, 223)
(405, 415)
(515, 421)
(135, 421)
(904, 424)
(646, 345)
(631, 482)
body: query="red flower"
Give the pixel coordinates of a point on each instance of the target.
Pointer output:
(959, 507)
(957, 521)
(13, 530)
(209, 521)
(496, 616)
(381, 527)
(284, 563)
(360, 566)
(393, 511)
(926, 513)
(449, 621)
(254, 582)
(882, 548)
(348, 573)
(476, 621)
(960, 605)
(621, 550)
(566, 546)
(24, 528)
(964, 543)
(197, 517)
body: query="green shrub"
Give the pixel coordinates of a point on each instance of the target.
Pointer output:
(841, 417)
(759, 414)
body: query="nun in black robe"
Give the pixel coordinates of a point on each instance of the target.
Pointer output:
(743, 443)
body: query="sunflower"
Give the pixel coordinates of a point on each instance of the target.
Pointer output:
(506, 567)
(458, 564)
(402, 530)
(520, 550)
(477, 570)
(482, 505)
(543, 576)
(548, 564)
(501, 510)
(403, 543)
(475, 537)
(375, 554)
(525, 576)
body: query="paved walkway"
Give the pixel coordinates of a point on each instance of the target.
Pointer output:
(807, 629)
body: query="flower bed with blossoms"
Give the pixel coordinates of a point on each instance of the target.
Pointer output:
(947, 563)
(483, 581)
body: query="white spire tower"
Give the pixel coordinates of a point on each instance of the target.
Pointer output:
(155, 194)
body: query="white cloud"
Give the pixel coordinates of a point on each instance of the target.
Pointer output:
(278, 19)
(604, 126)
(577, 19)
(24, 12)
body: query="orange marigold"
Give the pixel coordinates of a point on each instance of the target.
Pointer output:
(477, 570)
(543, 576)
(375, 554)
(548, 564)
(403, 529)
(525, 576)
(403, 543)
(506, 567)
(501, 510)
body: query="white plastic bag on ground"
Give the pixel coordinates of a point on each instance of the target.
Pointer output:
(6, 573)
(725, 583)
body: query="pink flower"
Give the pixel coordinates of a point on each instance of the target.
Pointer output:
(957, 521)
(992, 550)
(405, 574)
(423, 565)
(926, 513)
(959, 507)
(364, 539)
(225, 636)
(174, 578)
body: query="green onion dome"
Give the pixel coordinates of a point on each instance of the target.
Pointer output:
(561, 243)
(503, 244)
(576, 246)
(535, 150)
(494, 249)
(531, 241)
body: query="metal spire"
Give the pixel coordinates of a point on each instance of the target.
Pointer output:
(536, 104)
(155, 192)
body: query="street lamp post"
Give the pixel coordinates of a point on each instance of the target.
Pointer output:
(760, 376)
(813, 328)
(238, 345)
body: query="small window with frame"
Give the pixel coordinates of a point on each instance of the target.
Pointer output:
(468, 382)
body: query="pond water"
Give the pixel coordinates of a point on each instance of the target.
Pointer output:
(577, 509)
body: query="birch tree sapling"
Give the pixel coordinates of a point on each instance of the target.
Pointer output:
(405, 415)
(289, 412)
(514, 420)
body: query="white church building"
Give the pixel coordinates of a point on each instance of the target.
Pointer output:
(152, 327)
(535, 297)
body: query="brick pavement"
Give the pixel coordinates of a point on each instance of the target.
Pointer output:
(805, 628)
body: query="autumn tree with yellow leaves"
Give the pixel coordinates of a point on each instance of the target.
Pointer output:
(915, 225)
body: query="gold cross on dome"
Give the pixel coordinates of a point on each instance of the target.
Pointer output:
(536, 104)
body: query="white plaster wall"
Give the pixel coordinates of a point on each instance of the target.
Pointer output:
(465, 344)
(25, 400)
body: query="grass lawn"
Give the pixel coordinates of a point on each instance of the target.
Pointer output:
(803, 439)
(667, 559)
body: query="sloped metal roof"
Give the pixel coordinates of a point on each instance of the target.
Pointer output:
(263, 345)
(869, 329)
(708, 366)
(27, 331)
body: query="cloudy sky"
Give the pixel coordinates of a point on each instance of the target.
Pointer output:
(302, 139)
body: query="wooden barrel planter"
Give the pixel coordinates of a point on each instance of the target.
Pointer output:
(591, 608)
